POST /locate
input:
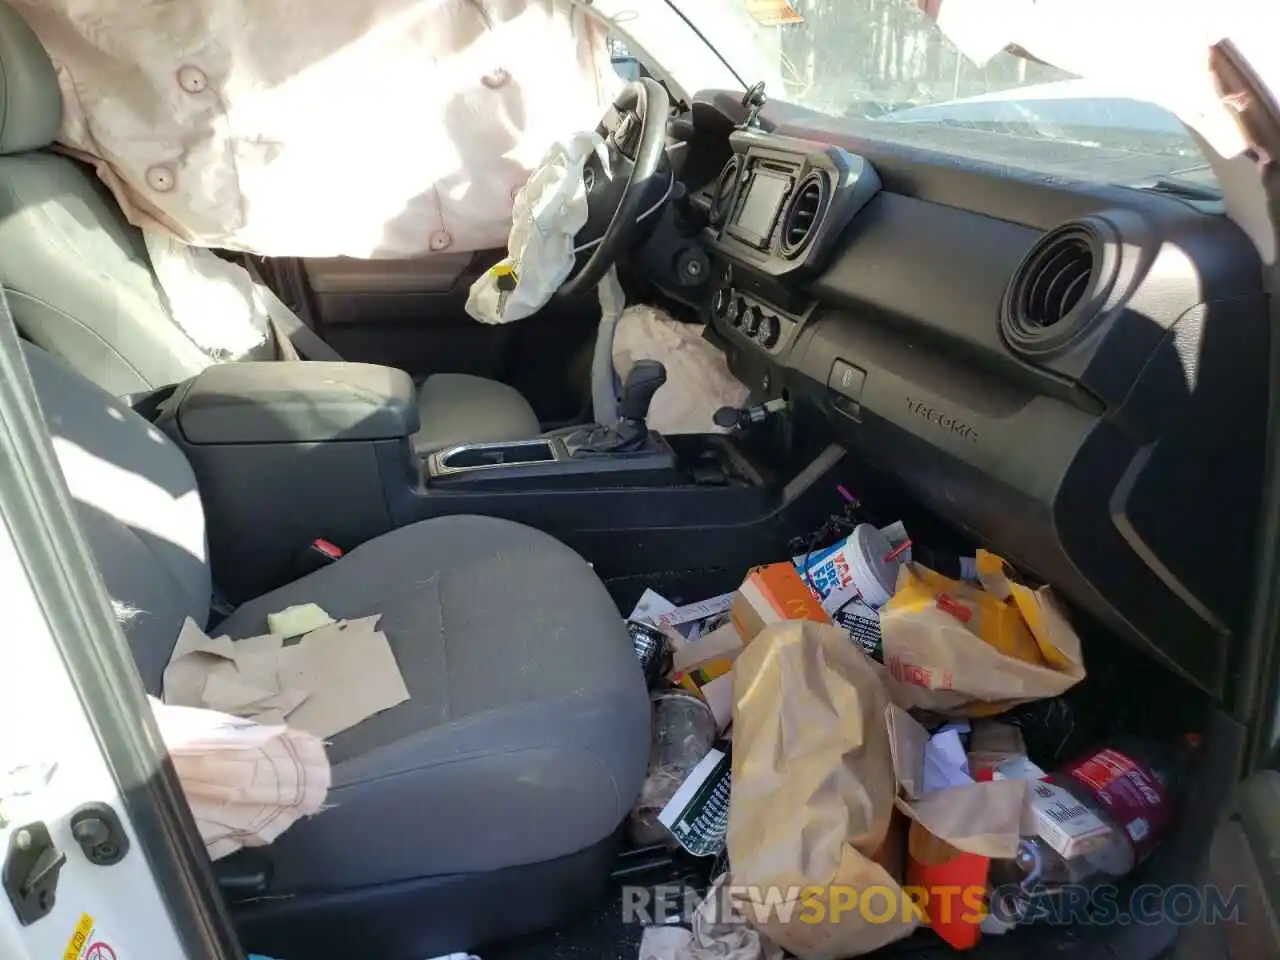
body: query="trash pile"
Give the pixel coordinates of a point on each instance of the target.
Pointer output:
(844, 731)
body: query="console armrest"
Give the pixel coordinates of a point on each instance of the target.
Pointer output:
(297, 402)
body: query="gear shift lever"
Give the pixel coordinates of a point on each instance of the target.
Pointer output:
(630, 433)
(644, 380)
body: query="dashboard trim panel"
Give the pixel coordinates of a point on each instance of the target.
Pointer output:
(1122, 466)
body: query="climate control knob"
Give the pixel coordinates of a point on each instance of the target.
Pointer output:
(770, 331)
(751, 323)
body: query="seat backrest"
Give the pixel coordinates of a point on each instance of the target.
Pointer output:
(139, 509)
(79, 281)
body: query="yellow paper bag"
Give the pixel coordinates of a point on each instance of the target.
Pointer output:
(966, 650)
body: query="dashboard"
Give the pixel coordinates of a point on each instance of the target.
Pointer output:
(777, 210)
(1076, 376)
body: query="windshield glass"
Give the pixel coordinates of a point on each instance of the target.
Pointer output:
(882, 69)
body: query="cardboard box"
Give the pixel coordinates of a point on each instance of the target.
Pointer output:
(770, 595)
(724, 642)
(695, 678)
(1062, 821)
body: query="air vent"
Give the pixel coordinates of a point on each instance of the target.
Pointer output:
(804, 212)
(1058, 290)
(726, 187)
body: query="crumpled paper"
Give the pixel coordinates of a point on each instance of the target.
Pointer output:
(236, 677)
(720, 932)
(328, 681)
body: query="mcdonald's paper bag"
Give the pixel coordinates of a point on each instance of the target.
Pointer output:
(966, 650)
(956, 832)
(813, 794)
(978, 818)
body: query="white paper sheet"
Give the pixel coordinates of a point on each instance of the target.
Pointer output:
(945, 763)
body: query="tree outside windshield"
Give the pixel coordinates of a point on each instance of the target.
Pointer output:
(880, 67)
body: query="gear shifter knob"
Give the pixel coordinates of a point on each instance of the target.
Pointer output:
(637, 392)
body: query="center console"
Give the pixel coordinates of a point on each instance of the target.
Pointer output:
(286, 453)
(625, 453)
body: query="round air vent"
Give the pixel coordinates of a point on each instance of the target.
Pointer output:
(726, 187)
(1059, 289)
(803, 213)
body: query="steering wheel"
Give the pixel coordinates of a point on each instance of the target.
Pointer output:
(623, 201)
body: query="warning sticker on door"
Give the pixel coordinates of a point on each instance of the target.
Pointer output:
(89, 943)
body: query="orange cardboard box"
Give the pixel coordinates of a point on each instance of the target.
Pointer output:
(771, 595)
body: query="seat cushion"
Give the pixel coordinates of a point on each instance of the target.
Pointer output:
(458, 408)
(526, 734)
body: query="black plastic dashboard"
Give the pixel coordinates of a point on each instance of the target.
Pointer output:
(1074, 375)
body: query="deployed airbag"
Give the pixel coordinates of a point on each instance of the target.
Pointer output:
(549, 211)
(698, 377)
(387, 128)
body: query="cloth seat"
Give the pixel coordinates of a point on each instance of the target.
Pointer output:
(526, 735)
(81, 283)
(522, 736)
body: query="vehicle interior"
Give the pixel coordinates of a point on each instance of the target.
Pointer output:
(1072, 375)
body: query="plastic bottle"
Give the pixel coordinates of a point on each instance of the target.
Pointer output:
(684, 730)
(1133, 787)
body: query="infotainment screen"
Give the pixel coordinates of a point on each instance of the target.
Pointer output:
(759, 211)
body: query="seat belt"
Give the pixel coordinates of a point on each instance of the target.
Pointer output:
(294, 339)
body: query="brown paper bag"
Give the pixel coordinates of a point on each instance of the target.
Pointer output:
(961, 650)
(813, 794)
(982, 818)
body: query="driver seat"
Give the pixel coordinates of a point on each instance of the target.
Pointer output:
(80, 282)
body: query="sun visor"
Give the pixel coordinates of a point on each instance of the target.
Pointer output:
(1148, 51)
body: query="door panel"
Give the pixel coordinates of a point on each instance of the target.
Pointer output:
(1244, 871)
(412, 314)
(405, 313)
(436, 274)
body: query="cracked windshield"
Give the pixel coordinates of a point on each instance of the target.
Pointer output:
(880, 68)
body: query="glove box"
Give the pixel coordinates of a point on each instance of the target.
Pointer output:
(286, 453)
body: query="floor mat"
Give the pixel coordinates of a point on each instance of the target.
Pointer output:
(603, 934)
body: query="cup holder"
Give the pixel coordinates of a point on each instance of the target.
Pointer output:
(481, 456)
